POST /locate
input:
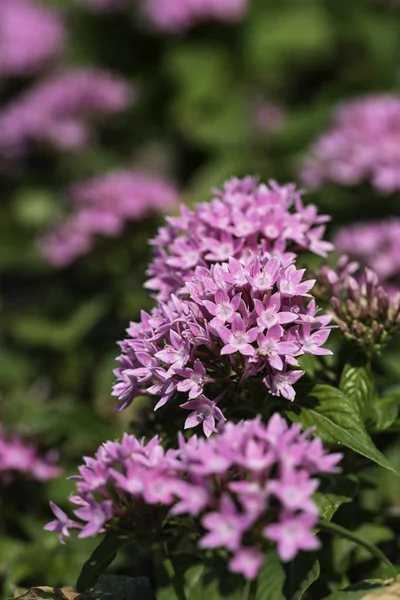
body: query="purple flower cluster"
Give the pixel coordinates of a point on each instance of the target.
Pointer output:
(250, 485)
(58, 111)
(102, 206)
(238, 321)
(244, 217)
(17, 456)
(177, 16)
(375, 244)
(30, 35)
(363, 144)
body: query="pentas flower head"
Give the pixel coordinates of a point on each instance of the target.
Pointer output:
(375, 244)
(101, 207)
(18, 456)
(244, 217)
(250, 486)
(177, 16)
(362, 145)
(59, 110)
(30, 35)
(237, 323)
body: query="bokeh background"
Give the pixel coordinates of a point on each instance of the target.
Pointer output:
(111, 114)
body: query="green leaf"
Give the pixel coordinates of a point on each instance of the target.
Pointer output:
(59, 335)
(331, 494)
(336, 421)
(287, 582)
(300, 574)
(346, 552)
(386, 411)
(362, 590)
(356, 383)
(102, 556)
(119, 587)
(336, 529)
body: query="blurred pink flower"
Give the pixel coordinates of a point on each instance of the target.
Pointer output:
(376, 244)
(58, 111)
(102, 206)
(30, 35)
(177, 16)
(243, 487)
(18, 456)
(362, 145)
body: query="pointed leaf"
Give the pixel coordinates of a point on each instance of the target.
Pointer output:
(356, 383)
(287, 582)
(336, 421)
(334, 492)
(102, 556)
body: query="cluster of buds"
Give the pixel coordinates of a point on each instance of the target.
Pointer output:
(245, 489)
(364, 311)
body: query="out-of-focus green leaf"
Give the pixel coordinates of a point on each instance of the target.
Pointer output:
(40, 331)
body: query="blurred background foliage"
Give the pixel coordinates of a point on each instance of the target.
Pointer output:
(194, 122)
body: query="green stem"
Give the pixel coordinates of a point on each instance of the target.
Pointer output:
(175, 581)
(250, 591)
(333, 528)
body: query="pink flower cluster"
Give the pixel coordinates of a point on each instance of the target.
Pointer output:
(250, 485)
(363, 144)
(375, 244)
(58, 111)
(244, 217)
(30, 35)
(239, 321)
(177, 16)
(102, 206)
(17, 456)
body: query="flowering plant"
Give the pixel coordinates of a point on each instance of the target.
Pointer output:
(235, 328)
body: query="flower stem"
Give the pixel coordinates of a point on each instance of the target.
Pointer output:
(175, 581)
(250, 591)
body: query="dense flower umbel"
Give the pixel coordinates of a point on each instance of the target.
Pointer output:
(364, 311)
(58, 111)
(102, 206)
(248, 486)
(375, 244)
(30, 35)
(177, 16)
(17, 456)
(238, 321)
(363, 144)
(243, 217)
